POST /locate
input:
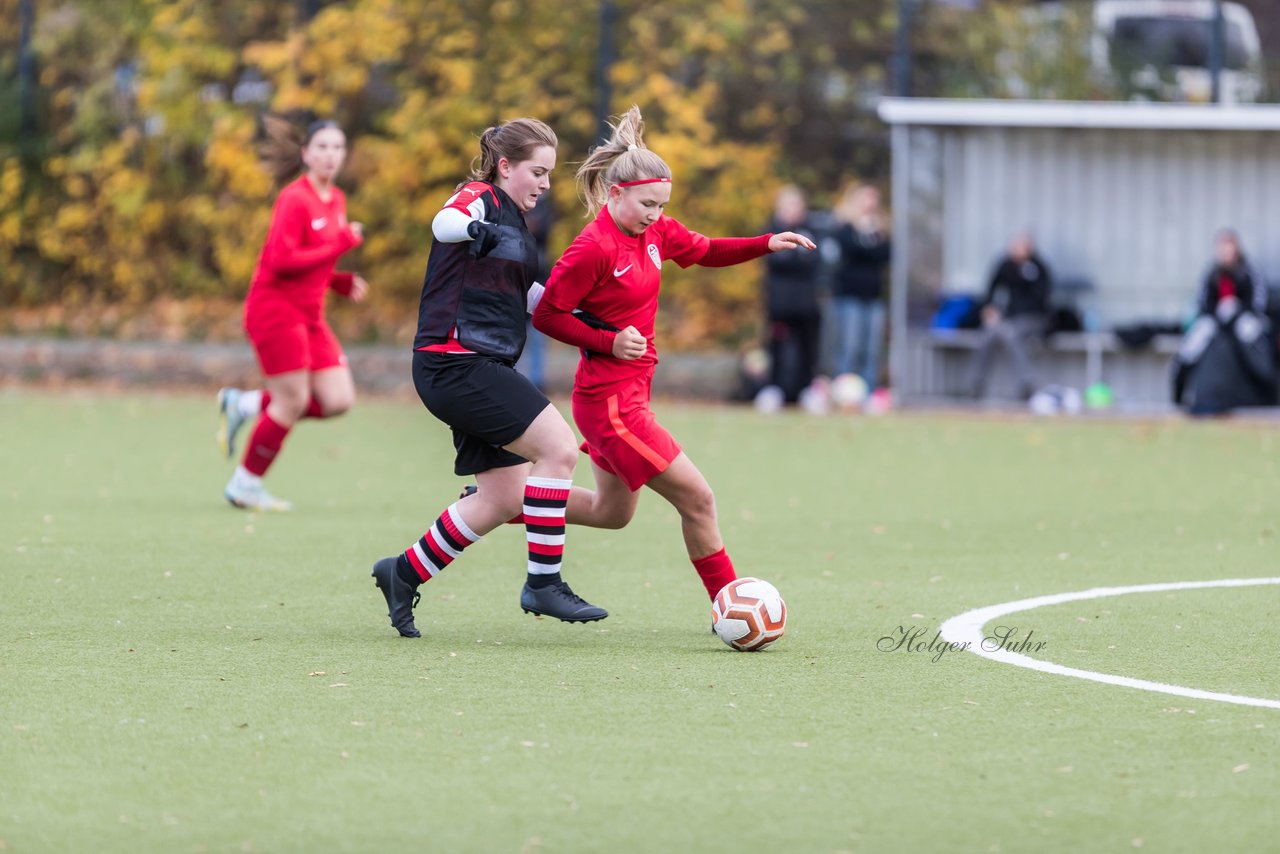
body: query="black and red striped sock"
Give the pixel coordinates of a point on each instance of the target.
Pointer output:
(545, 500)
(438, 547)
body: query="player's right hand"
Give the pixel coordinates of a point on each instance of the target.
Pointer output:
(629, 344)
(357, 228)
(485, 236)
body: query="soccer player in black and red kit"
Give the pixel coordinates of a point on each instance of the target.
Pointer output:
(610, 276)
(478, 289)
(307, 375)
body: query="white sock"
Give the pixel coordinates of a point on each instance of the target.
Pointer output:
(249, 403)
(245, 479)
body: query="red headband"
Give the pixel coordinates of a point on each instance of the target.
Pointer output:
(645, 181)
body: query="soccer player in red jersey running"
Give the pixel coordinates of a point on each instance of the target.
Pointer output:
(306, 373)
(611, 275)
(478, 290)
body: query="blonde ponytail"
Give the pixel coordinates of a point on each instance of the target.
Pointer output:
(621, 159)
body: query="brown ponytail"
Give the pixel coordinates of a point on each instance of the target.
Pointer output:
(516, 140)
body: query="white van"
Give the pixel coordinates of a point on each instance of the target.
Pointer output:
(1160, 49)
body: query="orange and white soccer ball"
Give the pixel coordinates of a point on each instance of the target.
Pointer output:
(748, 614)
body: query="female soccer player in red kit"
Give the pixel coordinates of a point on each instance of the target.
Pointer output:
(306, 372)
(472, 323)
(611, 274)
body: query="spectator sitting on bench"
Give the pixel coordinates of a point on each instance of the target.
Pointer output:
(1015, 312)
(1227, 358)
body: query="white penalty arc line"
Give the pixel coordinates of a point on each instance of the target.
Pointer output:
(967, 628)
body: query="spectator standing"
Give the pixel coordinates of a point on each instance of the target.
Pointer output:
(859, 284)
(793, 317)
(533, 362)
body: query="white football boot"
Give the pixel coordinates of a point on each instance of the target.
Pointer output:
(246, 491)
(229, 420)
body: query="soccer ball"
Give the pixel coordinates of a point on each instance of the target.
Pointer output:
(815, 398)
(1056, 400)
(769, 399)
(748, 614)
(848, 391)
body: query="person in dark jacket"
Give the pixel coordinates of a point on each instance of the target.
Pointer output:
(793, 316)
(1232, 277)
(1228, 357)
(860, 283)
(1014, 314)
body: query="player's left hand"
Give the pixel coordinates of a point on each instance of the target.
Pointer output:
(790, 240)
(359, 287)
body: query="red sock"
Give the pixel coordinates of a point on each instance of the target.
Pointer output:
(313, 410)
(263, 445)
(715, 570)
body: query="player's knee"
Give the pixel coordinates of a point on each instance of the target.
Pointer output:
(560, 457)
(291, 405)
(699, 504)
(507, 505)
(617, 516)
(337, 404)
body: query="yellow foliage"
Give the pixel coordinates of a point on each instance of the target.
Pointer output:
(164, 195)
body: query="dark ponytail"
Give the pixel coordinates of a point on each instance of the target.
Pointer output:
(282, 144)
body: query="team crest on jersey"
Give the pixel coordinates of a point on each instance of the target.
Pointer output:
(654, 256)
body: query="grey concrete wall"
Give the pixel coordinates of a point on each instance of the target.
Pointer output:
(710, 376)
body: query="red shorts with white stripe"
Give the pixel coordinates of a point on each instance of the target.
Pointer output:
(622, 435)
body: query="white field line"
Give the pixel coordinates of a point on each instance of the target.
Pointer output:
(967, 628)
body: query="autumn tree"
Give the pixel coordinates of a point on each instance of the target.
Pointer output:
(149, 187)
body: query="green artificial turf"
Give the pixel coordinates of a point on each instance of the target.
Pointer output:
(176, 675)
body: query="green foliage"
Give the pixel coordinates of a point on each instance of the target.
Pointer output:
(1011, 50)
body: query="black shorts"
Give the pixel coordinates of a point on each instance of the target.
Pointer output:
(486, 402)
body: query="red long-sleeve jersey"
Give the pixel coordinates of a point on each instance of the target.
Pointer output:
(306, 237)
(616, 277)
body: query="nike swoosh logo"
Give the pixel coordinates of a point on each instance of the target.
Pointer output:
(318, 224)
(617, 272)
